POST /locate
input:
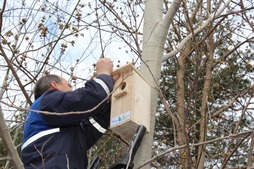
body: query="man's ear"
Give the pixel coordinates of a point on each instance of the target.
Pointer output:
(53, 85)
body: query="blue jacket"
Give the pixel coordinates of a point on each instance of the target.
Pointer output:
(59, 142)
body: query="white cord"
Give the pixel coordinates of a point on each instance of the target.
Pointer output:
(130, 153)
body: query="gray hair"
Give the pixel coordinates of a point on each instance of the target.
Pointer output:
(43, 84)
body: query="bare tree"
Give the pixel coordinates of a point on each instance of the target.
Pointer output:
(197, 22)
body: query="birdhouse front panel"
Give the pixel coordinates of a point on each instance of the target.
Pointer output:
(130, 104)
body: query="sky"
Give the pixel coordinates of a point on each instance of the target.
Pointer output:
(23, 23)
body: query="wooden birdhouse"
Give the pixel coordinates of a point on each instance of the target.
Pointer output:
(130, 104)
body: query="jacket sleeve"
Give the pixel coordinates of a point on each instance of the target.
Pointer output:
(94, 129)
(82, 99)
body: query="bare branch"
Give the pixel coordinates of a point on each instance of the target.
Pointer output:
(246, 133)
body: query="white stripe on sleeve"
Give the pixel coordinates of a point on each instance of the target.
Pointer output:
(97, 125)
(39, 135)
(103, 85)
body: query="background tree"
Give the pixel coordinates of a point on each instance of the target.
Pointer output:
(197, 55)
(201, 62)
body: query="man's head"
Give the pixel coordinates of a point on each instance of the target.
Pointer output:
(50, 82)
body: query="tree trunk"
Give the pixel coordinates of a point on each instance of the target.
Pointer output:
(154, 37)
(181, 128)
(5, 134)
(150, 69)
(204, 113)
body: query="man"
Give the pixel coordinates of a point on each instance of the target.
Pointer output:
(62, 141)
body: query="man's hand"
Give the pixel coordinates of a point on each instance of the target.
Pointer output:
(104, 66)
(116, 76)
